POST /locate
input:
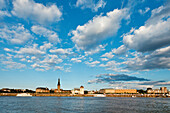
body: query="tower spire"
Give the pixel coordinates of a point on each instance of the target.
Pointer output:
(58, 85)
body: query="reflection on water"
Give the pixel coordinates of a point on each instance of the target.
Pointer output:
(83, 104)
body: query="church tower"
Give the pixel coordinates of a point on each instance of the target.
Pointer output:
(58, 85)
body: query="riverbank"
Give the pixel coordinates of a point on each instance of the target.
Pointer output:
(87, 95)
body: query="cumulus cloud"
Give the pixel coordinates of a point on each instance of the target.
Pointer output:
(112, 78)
(92, 64)
(42, 31)
(51, 60)
(76, 60)
(90, 4)
(120, 50)
(15, 34)
(104, 59)
(7, 49)
(114, 66)
(28, 9)
(159, 59)
(46, 46)
(96, 50)
(108, 55)
(154, 34)
(13, 65)
(62, 51)
(91, 34)
(31, 50)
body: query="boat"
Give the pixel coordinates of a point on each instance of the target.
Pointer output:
(133, 96)
(24, 95)
(99, 95)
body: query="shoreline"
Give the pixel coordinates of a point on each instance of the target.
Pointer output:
(88, 95)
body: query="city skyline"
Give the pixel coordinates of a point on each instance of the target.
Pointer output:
(96, 43)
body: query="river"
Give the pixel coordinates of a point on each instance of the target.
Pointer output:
(83, 105)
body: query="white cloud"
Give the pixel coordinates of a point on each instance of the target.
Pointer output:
(32, 50)
(159, 59)
(28, 9)
(76, 60)
(51, 60)
(114, 66)
(23, 59)
(90, 4)
(91, 34)
(108, 55)
(13, 65)
(62, 51)
(142, 12)
(104, 59)
(120, 50)
(15, 34)
(93, 64)
(96, 50)
(148, 38)
(46, 46)
(7, 49)
(33, 57)
(42, 31)
(154, 34)
(58, 68)
(4, 13)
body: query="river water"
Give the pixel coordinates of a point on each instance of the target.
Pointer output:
(83, 105)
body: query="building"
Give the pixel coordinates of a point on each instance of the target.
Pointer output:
(153, 91)
(58, 90)
(164, 89)
(81, 90)
(58, 85)
(109, 91)
(42, 90)
(78, 90)
(6, 90)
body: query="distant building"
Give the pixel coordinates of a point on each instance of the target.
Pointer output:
(78, 90)
(81, 90)
(117, 91)
(91, 92)
(6, 90)
(58, 85)
(42, 90)
(59, 90)
(161, 90)
(164, 89)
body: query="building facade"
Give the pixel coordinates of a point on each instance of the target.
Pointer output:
(161, 90)
(42, 90)
(164, 89)
(111, 91)
(78, 90)
(58, 85)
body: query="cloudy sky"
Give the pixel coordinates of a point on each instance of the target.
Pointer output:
(94, 43)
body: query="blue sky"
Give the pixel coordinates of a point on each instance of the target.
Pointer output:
(94, 43)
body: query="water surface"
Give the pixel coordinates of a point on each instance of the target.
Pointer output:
(83, 105)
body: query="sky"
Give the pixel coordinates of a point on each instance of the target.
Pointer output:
(120, 44)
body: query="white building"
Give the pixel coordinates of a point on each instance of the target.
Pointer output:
(78, 90)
